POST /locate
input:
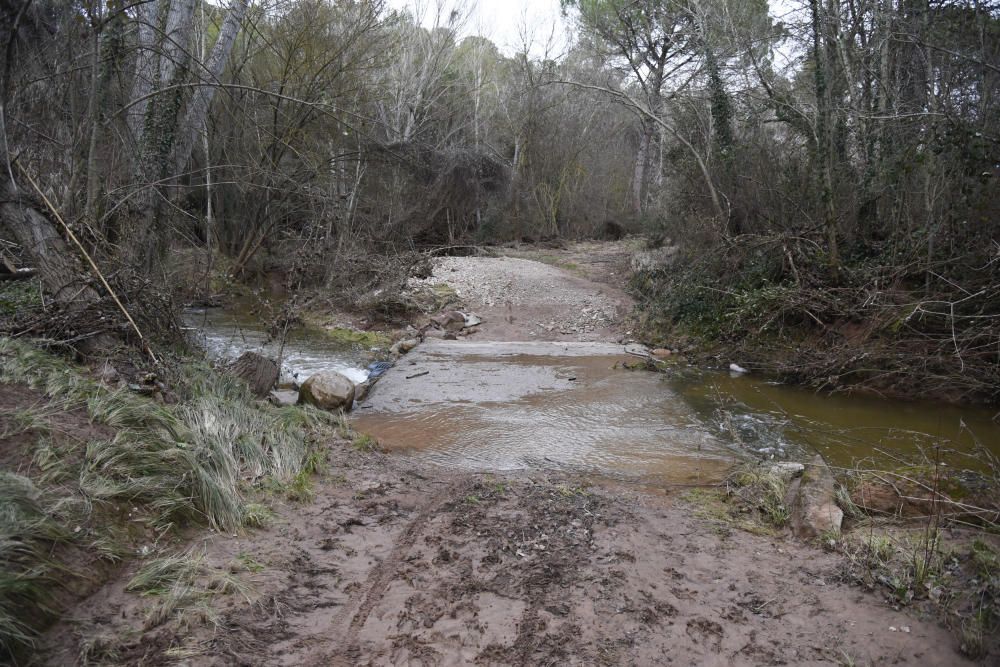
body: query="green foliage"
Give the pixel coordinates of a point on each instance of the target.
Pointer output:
(364, 443)
(27, 570)
(764, 491)
(193, 462)
(19, 295)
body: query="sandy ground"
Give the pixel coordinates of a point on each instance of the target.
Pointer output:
(397, 563)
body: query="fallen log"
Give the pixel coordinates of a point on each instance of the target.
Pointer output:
(19, 274)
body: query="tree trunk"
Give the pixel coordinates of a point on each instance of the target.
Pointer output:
(145, 68)
(824, 135)
(58, 266)
(197, 111)
(639, 175)
(168, 152)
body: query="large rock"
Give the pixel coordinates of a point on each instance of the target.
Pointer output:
(813, 502)
(257, 371)
(328, 390)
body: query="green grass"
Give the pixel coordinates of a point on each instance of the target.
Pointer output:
(753, 501)
(364, 443)
(28, 574)
(158, 576)
(366, 339)
(182, 585)
(764, 491)
(197, 462)
(250, 563)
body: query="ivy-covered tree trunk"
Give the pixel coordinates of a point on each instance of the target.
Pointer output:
(824, 133)
(165, 144)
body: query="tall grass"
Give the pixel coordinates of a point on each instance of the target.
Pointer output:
(194, 461)
(26, 570)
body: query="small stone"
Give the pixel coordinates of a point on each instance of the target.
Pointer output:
(787, 470)
(361, 390)
(283, 397)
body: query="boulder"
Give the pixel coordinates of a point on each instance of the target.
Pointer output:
(328, 390)
(449, 320)
(257, 371)
(907, 498)
(813, 503)
(435, 333)
(283, 397)
(408, 344)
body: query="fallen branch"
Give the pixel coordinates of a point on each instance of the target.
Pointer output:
(93, 265)
(19, 274)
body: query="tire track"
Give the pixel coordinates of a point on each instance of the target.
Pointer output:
(351, 620)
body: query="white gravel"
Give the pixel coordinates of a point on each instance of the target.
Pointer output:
(575, 305)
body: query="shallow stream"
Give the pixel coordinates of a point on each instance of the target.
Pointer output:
(509, 406)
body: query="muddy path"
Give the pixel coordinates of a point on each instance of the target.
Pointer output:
(391, 561)
(393, 564)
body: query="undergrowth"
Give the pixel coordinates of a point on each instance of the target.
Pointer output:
(770, 303)
(196, 462)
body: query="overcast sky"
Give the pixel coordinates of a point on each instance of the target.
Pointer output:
(502, 21)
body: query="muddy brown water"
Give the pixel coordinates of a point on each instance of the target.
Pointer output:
(512, 406)
(507, 406)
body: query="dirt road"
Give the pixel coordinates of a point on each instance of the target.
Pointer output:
(391, 562)
(392, 565)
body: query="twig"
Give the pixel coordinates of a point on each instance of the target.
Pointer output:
(93, 265)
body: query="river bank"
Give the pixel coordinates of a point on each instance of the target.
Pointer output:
(392, 562)
(345, 554)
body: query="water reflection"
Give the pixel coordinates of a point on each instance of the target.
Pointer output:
(844, 429)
